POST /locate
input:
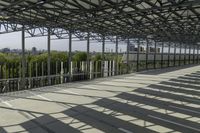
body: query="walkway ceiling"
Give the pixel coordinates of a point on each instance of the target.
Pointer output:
(160, 20)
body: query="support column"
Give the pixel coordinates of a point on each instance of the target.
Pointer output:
(88, 55)
(185, 54)
(198, 54)
(23, 78)
(127, 55)
(169, 54)
(138, 55)
(162, 55)
(175, 54)
(193, 54)
(49, 56)
(189, 53)
(179, 63)
(116, 59)
(147, 53)
(103, 57)
(70, 56)
(154, 62)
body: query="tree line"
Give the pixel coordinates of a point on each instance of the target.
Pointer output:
(55, 56)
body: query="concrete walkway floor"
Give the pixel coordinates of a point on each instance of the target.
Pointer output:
(164, 101)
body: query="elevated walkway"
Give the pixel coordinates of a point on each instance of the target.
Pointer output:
(162, 100)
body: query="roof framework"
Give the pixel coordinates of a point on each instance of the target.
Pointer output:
(160, 20)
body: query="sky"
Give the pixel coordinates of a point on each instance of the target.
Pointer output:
(13, 41)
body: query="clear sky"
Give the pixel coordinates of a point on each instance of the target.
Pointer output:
(13, 41)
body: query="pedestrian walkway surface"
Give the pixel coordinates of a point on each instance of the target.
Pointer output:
(164, 101)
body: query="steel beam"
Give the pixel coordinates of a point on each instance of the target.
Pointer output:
(138, 54)
(162, 55)
(175, 54)
(169, 53)
(88, 54)
(180, 50)
(23, 76)
(189, 53)
(70, 56)
(193, 54)
(155, 53)
(112, 22)
(127, 55)
(103, 57)
(49, 56)
(116, 54)
(198, 54)
(147, 53)
(185, 54)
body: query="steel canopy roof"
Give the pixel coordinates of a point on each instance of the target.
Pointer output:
(161, 20)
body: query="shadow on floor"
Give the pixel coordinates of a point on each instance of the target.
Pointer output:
(128, 112)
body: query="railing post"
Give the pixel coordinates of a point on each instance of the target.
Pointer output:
(61, 72)
(91, 70)
(36, 69)
(42, 81)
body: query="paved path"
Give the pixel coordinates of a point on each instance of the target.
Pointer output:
(164, 101)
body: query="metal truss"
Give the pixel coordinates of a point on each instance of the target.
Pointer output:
(160, 20)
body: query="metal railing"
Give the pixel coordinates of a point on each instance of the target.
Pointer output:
(36, 73)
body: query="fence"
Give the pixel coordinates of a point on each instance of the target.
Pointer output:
(152, 61)
(37, 73)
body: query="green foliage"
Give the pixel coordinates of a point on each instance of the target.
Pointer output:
(38, 58)
(97, 57)
(59, 56)
(55, 56)
(109, 57)
(2, 57)
(80, 56)
(9, 58)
